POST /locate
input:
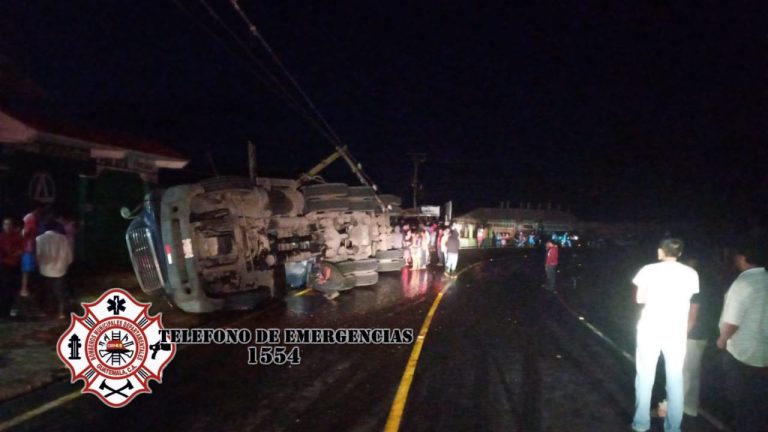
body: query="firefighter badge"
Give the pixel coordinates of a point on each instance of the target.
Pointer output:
(115, 348)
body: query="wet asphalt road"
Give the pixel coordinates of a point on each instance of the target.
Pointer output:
(501, 355)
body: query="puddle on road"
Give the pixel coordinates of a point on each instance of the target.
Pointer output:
(393, 288)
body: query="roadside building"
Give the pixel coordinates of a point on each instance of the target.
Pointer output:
(510, 221)
(85, 173)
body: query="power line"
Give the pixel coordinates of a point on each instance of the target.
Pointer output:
(314, 117)
(246, 48)
(229, 49)
(341, 148)
(255, 32)
(280, 91)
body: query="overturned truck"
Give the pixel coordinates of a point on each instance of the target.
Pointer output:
(225, 243)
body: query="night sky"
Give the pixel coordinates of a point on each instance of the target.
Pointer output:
(618, 111)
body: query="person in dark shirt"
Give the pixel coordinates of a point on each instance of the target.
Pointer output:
(452, 253)
(701, 329)
(11, 249)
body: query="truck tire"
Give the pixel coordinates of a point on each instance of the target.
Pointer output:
(363, 206)
(326, 190)
(360, 266)
(217, 184)
(366, 279)
(392, 254)
(349, 282)
(361, 192)
(391, 265)
(339, 204)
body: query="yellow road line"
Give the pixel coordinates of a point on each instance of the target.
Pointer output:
(302, 292)
(395, 414)
(401, 397)
(398, 406)
(39, 410)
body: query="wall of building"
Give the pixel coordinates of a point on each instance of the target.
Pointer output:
(76, 188)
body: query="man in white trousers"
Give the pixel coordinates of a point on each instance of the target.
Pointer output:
(665, 289)
(452, 253)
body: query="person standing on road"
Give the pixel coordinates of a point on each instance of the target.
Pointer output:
(452, 253)
(550, 264)
(433, 228)
(744, 336)
(480, 237)
(11, 249)
(426, 240)
(698, 334)
(444, 244)
(54, 255)
(397, 238)
(438, 247)
(407, 242)
(665, 290)
(28, 262)
(416, 250)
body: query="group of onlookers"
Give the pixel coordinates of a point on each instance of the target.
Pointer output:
(422, 245)
(426, 244)
(34, 260)
(670, 324)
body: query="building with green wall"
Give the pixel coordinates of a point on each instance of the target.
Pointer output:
(82, 173)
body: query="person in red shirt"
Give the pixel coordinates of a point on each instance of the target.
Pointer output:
(550, 265)
(11, 249)
(28, 259)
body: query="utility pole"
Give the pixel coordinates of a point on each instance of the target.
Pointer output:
(213, 164)
(252, 162)
(417, 158)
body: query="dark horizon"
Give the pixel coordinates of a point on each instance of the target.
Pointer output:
(642, 112)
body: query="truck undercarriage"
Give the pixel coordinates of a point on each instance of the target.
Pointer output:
(226, 237)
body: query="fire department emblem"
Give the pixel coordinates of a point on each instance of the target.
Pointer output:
(115, 348)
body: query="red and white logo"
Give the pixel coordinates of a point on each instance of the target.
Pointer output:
(115, 348)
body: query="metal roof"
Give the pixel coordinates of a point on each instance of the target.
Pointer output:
(26, 129)
(485, 214)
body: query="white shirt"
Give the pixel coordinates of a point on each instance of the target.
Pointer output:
(54, 254)
(397, 240)
(665, 288)
(746, 305)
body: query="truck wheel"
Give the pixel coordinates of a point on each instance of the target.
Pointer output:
(360, 266)
(326, 190)
(349, 282)
(366, 205)
(361, 192)
(339, 204)
(366, 279)
(393, 265)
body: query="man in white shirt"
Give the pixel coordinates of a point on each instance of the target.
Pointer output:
(54, 255)
(744, 336)
(665, 290)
